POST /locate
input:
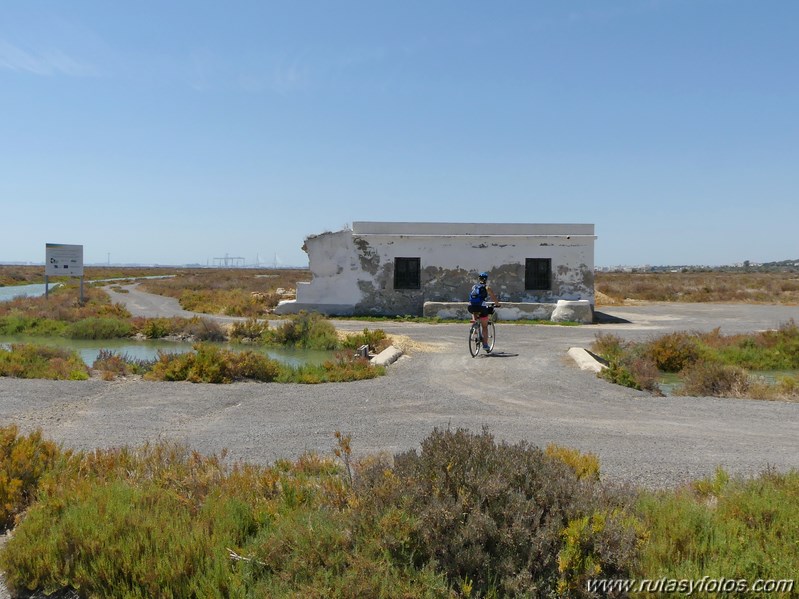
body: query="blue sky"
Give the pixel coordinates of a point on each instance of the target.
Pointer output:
(179, 131)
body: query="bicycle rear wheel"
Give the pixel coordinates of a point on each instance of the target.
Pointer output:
(491, 335)
(474, 339)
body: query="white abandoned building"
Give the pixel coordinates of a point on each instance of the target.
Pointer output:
(380, 268)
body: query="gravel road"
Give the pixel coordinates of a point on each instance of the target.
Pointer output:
(529, 390)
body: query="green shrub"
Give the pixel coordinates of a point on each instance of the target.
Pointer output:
(155, 328)
(590, 542)
(131, 551)
(254, 366)
(767, 350)
(673, 352)
(99, 328)
(150, 523)
(723, 526)
(493, 516)
(211, 364)
(709, 363)
(305, 330)
(17, 324)
(171, 519)
(342, 368)
(464, 516)
(626, 363)
(376, 340)
(251, 329)
(619, 374)
(788, 385)
(608, 346)
(23, 461)
(31, 361)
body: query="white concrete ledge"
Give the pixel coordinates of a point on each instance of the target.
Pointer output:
(585, 359)
(388, 356)
(563, 310)
(578, 310)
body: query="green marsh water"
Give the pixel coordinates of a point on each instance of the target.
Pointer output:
(148, 349)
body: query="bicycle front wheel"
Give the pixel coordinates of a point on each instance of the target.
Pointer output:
(474, 339)
(491, 335)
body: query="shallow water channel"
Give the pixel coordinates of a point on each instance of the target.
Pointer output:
(35, 290)
(148, 349)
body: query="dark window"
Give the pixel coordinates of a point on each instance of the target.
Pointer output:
(406, 273)
(538, 273)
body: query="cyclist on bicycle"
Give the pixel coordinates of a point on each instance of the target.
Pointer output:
(478, 307)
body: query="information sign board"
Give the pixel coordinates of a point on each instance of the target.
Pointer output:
(63, 260)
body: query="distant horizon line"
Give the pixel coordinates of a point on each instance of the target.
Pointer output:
(289, 266)
(155, 265)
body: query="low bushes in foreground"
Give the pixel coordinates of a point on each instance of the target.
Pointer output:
(724, 527)
(464, 516)
(502, 520)
(23, 462)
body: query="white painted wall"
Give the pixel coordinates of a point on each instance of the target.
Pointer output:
(352, 267)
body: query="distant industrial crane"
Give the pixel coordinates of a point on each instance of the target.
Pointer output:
(226, 261)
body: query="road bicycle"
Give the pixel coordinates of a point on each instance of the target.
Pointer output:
(476, 333)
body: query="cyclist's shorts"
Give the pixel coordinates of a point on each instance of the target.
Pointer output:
(481, 311)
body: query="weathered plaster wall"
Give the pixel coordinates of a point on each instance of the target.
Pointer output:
(356, 268)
